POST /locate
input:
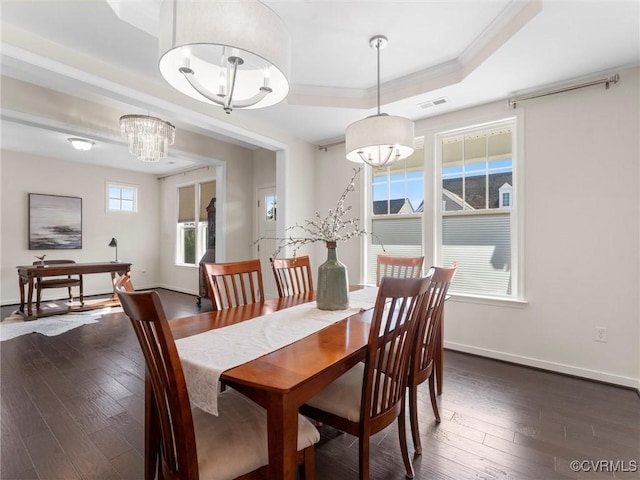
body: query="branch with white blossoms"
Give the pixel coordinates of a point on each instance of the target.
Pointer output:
(332, 228)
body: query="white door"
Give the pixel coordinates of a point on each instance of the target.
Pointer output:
(267, 214)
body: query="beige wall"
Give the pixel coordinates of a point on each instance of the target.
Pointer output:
(581, 263)
(137, 233)
(581, 234)
(230, 164)
(333, 174)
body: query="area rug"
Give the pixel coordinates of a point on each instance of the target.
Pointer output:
(14, 325)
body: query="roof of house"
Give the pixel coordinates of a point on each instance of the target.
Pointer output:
(475, 189)
(382, 207)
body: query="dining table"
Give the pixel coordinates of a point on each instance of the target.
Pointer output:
(280, 380)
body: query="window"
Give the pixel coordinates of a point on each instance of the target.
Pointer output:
(192, 225)
(477, 193)
(122, 198)
(395, 211)
(505, 195)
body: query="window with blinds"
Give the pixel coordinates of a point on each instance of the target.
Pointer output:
(192, 229)
(397, 203)
(477, 197)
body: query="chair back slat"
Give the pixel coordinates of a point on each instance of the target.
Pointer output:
(395, 319)
(429, 329)
(292, 275)
(398, 267)
(169, 391)
(235, 283)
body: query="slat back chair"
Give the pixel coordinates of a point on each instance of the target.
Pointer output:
(123, 282)
(235, 283)
(398, 267)
(188, 444)
(293, 275)
(426, 343)
(370, 396)
(67, 282)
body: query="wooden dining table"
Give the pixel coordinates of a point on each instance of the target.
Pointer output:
(283, 380)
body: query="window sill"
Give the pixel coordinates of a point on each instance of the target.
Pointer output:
(187, 265)
(493, 301)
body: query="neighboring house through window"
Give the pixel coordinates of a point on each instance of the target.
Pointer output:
(192, 225)
(505, 195)
(478, 221)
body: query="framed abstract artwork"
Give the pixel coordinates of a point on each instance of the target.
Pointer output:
(55, 222)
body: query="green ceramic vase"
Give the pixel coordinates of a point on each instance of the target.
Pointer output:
(332, 292)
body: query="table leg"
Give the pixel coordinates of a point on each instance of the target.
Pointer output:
(30, 298)
(282, 428)
(114, 295)
(439, 358)
(21, 284)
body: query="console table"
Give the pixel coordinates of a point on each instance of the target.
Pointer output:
(28, 273)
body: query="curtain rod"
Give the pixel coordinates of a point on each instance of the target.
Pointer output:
(607, 81)
(329, 145)
(182, 172)
(418, 143)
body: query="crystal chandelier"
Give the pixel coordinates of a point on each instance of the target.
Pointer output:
(233, 54)
(381, 139)
(148, 137)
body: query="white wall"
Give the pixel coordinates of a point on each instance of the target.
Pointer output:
(581, 242)
(234, 198)
(334, 173)
(231, 165)
(137, 233)
(581, 235)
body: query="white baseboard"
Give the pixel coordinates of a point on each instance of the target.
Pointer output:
(546, 365)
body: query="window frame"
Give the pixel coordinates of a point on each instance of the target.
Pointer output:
(515, 211)
(109, 184)
(200, 225)
(368, 273)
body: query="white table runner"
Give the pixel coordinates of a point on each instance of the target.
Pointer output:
(205, 356)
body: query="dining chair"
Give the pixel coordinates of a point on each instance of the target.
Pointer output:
(293, 275)
(235, 283)
(67, 282)
(190, 444)
(398, 267)
(123, 281)
(427, 340)
(370, 396)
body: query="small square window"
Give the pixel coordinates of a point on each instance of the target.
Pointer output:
(122, 198)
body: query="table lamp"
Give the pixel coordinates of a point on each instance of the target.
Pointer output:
(114, 243)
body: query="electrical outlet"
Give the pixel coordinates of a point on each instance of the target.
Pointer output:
(601, 335)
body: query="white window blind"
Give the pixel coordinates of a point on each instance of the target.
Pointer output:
(400, 236)
(481, 246)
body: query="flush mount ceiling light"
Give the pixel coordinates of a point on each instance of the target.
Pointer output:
(381, 139)
(230, 54)
(81, 144)
(148, 137)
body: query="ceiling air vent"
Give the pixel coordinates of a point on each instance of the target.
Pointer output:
(434, 102)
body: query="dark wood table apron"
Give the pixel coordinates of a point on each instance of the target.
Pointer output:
(28, 273)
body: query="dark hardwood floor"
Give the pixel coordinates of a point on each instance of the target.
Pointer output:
(72, 408)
